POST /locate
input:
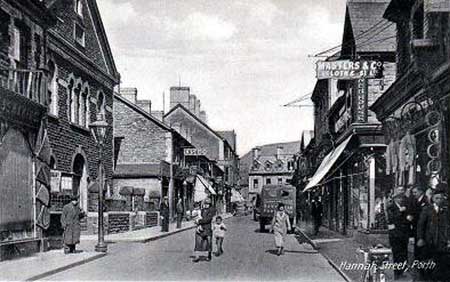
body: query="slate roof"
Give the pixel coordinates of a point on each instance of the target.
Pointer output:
(363, 15)
(246, 160)
(230, 137)
(137, 170)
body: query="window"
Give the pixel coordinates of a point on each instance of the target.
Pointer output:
(100, 103)
(418, 23)
(83, 116)
(79, 7)
(70, 94)
(52, 89)
(280, 180)
(75, 104)
(255, 183)
(79, 34)
(268, 181)
(20, 46)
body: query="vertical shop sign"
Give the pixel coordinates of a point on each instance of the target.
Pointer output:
(361, 100)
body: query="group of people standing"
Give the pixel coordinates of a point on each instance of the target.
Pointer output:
(426, 220)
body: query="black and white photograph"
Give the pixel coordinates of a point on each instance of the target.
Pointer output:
(224, 140)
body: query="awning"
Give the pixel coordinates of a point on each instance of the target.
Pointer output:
(326, 164)
(200, 188)
(207, 185)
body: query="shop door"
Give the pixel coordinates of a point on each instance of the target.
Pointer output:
(16, 185)
(80, 181)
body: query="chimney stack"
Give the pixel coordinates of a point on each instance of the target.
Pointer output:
(146, 105)
(203, 117)
(256, 153)
(158, 115)
(129, 93)
(279, 152)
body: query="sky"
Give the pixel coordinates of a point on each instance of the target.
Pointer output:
(243, 59)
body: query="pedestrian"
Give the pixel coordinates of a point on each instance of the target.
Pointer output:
(203, 234)
(280, 227)
(70, 222)
(399, 230)
(180, 212)
(164, 213)
(219, 229)
(432, 234)
(317, 213)
(419, 202)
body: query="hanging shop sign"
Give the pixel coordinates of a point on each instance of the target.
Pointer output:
(55, 180)
(346, 69)
(361, 100)
(195, 152)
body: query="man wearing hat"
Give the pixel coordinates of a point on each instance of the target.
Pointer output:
(432, 232)
(164, 213)
(399, 230)
(70, 222)
(203, 239)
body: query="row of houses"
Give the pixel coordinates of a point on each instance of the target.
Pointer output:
(385, 126)
(57, 77)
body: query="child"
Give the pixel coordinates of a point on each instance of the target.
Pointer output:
(197, 215)
(219, 229)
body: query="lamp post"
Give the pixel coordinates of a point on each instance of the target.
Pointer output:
(98, 129)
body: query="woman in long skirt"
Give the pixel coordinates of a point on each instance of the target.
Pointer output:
(280, 227)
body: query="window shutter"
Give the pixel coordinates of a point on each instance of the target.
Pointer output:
(436, 6)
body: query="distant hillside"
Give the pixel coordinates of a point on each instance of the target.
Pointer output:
(289, 148)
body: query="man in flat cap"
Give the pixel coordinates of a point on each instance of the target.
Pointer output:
(164, 212)
(70, 222)
(432, 233)
(399, 230)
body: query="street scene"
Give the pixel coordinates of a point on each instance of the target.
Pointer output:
(256, 140)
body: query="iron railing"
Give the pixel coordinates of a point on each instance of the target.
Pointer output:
(31, 84)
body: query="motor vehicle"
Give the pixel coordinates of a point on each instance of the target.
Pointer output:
(271, 195)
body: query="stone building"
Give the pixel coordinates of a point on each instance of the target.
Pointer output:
(24, 146)
(82, 77)
(150, 154)
(219, 155)
(270, 164)
(415, 107)
(349, 174)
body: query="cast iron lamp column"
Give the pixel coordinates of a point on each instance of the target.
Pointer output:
(98, 129)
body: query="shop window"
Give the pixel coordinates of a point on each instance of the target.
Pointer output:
(79, 34)
(53, 89)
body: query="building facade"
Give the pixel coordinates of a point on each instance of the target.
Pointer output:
(24, 144)
(414, 109)
(82, 77)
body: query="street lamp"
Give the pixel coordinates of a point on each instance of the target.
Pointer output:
(98, 129)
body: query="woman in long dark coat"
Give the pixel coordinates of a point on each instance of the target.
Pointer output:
(164, 213)
(203, 238)
(70, 222)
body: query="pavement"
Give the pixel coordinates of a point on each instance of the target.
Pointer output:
(44, 264)
(338, 249)
(249, 255)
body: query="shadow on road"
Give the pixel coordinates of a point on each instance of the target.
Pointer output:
(274, 252)
(259, 231)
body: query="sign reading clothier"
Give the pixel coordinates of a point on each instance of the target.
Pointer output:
(346, 69)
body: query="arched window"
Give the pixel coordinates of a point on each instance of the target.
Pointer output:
(52, 88)
(101, 103)
(75, 105)
(70, 90)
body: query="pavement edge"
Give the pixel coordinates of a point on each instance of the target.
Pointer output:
(316, 247)
(65, 267)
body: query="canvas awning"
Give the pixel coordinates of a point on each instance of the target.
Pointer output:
(206, 184)
(201, 186)
(326, 164)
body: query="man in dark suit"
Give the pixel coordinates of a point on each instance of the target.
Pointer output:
(164, 213)
(420, 201)
(432, 233)
(399, 230)
(317, 213)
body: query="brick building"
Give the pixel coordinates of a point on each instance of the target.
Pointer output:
(150, 154)
(349, 174)
(24, 146)
(82, 78)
